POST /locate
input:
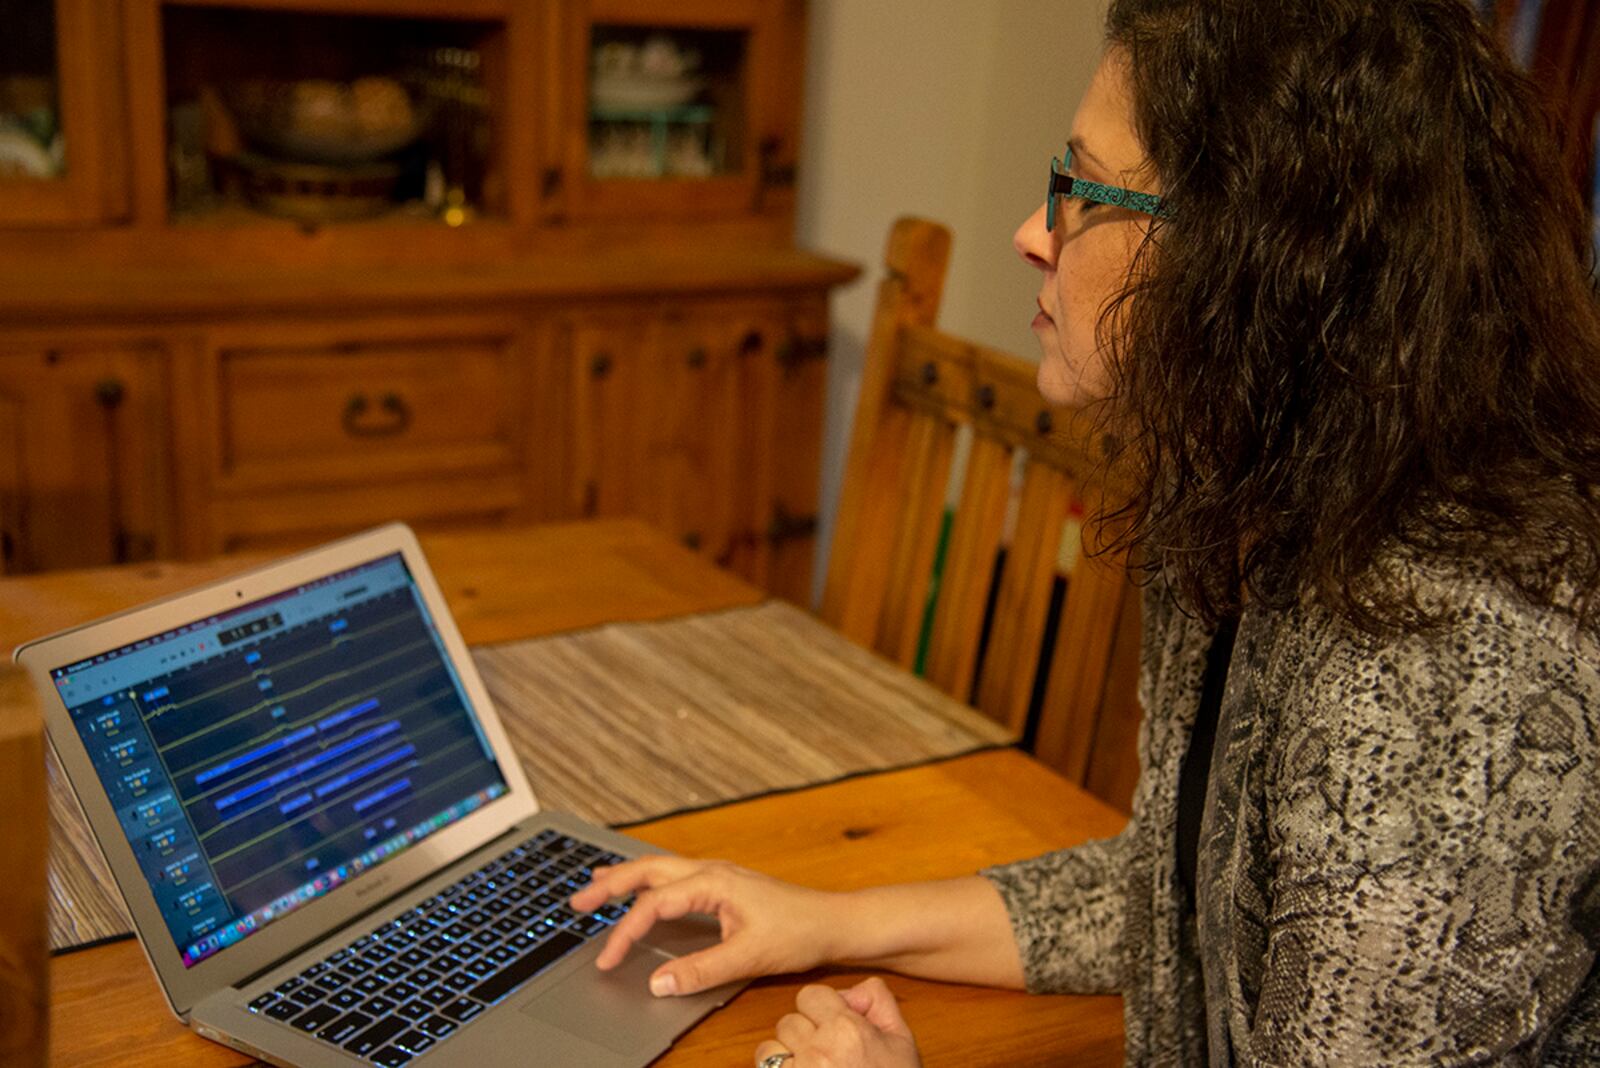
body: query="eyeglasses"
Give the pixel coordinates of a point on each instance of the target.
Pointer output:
(1064, 185)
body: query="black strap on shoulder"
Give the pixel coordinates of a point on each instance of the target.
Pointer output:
(1197, 762)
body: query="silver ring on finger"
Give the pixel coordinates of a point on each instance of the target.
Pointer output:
(775, 1060)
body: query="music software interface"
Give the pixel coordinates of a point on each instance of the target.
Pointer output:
(260, 758)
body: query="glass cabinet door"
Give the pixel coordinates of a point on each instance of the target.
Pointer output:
(387, 112)
(58, 138)
(681, 108)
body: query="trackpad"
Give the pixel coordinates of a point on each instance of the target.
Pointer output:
(616, 1010)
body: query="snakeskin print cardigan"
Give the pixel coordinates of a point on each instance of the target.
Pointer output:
(1399, 861)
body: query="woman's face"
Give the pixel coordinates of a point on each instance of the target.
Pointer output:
(1086, 258)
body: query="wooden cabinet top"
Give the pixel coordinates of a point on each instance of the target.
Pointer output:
(54, 292)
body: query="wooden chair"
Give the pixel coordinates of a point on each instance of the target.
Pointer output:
(24, 830)
(991, 600)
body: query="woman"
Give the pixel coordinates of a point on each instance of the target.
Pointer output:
(1352, 355)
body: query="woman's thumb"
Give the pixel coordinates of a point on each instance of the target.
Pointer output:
(694, 972)
(873, 999)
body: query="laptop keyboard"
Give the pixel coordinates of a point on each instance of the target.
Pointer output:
(408, 985)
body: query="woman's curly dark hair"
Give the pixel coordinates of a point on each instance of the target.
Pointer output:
(1369, 323)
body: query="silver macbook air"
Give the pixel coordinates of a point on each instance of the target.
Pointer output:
(328, 848)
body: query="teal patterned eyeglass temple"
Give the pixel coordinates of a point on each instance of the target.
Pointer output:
(1064, 185)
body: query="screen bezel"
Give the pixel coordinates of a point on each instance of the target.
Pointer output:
(185, 987)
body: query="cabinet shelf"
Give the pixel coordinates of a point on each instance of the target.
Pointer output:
(676, 113)
(661, 148)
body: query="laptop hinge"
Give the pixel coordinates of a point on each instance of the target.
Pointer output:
(509, 832)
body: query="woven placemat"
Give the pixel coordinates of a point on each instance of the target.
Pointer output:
(632, 721)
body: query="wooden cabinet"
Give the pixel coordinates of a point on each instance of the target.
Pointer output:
(84, 476)
(202, 348)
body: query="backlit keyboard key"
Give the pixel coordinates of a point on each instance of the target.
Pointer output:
(415, 1009)
(345, 1027)
(392, 971)
(414, 1042)
(376, 1036)
(283, 1010)
(313, 1020)
(345, 999)
(461, 1009)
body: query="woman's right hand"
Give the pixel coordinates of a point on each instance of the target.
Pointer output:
(768, 927)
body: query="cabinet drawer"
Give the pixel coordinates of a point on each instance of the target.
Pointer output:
(345, 413)
(274, 519)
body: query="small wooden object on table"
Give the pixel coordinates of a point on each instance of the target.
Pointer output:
(22, 890)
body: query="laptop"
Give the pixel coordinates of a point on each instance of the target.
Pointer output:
(328, 848)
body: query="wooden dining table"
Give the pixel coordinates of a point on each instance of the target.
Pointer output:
(937, 819)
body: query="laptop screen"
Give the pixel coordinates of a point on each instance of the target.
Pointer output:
(260, 758)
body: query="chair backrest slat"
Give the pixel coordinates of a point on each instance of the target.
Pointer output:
(1080, 664)
(1021, 612)
(969, 568)
(913, 283)
(860, 598)
(930, 451)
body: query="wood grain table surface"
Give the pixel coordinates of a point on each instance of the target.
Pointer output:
(501, 584)
(942, 819)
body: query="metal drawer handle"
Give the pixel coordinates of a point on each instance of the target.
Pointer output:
(397, 416)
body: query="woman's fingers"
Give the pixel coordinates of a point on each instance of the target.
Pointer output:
(860, 1026)
(795, 1031)
(668, 901)
(767, 926)
(873, 999)
(623, 879)
(820, 1003)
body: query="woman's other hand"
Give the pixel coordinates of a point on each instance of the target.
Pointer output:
(768, 927)
(860, 1027)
